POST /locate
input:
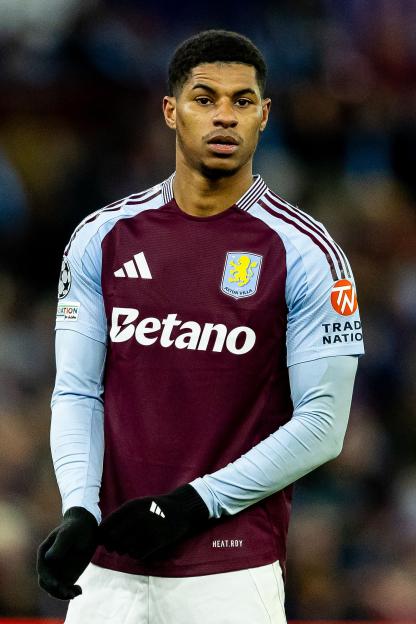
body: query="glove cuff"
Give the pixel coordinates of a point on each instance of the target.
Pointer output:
(80, 513)
(191, 503)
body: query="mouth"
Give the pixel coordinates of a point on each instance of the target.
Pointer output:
(223, 144)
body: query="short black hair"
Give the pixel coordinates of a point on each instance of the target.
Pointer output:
(212, 46)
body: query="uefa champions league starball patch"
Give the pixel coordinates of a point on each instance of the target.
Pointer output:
(65, 279)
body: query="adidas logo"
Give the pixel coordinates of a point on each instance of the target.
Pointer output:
(135, 268)
(156, 509)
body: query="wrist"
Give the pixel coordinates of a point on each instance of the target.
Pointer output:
(80, 513)
(191, 503)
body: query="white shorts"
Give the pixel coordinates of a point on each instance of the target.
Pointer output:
(251, 596)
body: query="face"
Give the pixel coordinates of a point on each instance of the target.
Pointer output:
(218, 116)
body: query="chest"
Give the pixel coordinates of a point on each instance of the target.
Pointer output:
(160, 273)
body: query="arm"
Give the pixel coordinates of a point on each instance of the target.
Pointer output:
(322, 352)
(321, 393)
(77, 444)
(77, 426)
(77, 423)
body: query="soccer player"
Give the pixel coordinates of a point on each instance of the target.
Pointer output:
(207, 343)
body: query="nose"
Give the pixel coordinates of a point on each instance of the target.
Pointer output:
(225, 115)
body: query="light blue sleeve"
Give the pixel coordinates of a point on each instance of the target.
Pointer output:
(323, 315)
(80, 298)
(323, 318)
(77, 425)
(321, 394)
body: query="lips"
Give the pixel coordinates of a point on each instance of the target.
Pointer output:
(223, 144)
(221, 139)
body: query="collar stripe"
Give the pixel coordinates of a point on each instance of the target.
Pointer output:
(167, 189)
(250, 197)
(253, 194)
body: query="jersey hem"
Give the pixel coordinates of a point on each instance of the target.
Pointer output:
(186, 569)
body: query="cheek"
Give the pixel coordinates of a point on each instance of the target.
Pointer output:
(253, 131)
(188, 126)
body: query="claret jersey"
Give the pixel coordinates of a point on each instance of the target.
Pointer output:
(202, 317)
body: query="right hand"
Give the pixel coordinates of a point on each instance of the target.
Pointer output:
(66, 552)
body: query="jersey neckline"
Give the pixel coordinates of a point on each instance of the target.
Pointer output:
(248, 199)
(219, 215)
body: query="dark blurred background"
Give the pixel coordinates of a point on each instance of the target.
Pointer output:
(81, 83)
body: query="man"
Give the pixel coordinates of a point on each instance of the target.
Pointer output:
(222, 324)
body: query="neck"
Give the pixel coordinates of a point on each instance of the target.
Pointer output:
(200, 196)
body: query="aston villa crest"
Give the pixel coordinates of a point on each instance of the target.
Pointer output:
(241, 274)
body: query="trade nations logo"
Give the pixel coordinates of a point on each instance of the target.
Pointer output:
(241, 274)
(344, 298)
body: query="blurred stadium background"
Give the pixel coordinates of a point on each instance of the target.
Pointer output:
(81, 83)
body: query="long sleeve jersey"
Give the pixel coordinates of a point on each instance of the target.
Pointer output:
(202, 319)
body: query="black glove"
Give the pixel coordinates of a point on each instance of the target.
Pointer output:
(144, 526)
(66, 552)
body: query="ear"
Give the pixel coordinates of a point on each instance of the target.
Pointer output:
(169, 111)
(266, 105)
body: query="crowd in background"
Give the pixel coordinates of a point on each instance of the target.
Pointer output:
(81, 84)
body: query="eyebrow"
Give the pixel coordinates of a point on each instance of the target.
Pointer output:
(201, 85)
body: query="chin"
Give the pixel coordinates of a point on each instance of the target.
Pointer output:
(213, 172)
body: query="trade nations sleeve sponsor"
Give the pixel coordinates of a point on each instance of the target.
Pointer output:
(344, 298)
(342, 332)
(344, 301)
(323, 316)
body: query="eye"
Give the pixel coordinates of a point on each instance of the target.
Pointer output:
(243, 102)
(203, 100)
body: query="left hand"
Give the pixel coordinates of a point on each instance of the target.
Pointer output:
(143, 526)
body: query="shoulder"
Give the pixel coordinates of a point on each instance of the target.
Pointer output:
(306, 240)
(96, 225)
